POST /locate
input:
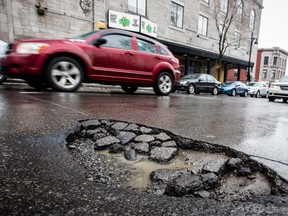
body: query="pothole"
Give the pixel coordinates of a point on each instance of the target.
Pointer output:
(160, 162)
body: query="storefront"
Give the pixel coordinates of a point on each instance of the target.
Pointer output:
(194, 60)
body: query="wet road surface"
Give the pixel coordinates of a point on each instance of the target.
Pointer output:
(39, 175)
(251, 125)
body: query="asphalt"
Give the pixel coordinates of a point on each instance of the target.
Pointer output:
(40, 177)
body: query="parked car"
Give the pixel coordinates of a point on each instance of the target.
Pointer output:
(257, 89)
(279, 90)
(3, 48)
(199, 82)
(107, 56)
(233, 88)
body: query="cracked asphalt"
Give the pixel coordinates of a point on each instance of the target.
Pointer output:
(40, 177)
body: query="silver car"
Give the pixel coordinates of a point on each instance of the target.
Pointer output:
(279, 90)
(257, 89)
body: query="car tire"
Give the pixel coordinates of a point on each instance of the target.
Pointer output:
(37, 84)
(271, 99)
(233, 93)
(164, 84)
(191, 89)
(245, 94)
(257, 94)
(130, 89)
(215, 91)
(2, 79)
(251, 95)
(284, 100)
(64, 74)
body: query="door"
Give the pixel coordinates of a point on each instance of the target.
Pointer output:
(211, 82)
(146, 58)
(202, 83)
(112, 60)
(263, 89)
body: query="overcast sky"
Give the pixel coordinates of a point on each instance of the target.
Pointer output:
(274, 25)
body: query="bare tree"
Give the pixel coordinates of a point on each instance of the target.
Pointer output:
(225, 13)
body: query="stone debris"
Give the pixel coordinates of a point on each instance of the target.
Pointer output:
(163, 154)
(130, 154)
(220, 177)
(125, 137)
(144, 138)
(106, 142)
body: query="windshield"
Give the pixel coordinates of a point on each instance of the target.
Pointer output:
(191, 76)
(228, 83)
(84, 36)
(284, 79)
(252, 84)
(3, 48)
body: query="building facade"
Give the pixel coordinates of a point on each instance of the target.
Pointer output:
(271, 64)
(192, 30)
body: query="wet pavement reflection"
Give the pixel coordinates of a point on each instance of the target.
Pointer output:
(251, 125)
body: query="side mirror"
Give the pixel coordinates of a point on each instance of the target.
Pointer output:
(99, 41)
(199, 80)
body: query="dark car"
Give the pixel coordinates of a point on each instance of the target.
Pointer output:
(199, 82)
(233, 88)
(107, 56)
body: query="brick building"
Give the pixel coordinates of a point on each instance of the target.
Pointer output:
(271, 64)
(188, 28)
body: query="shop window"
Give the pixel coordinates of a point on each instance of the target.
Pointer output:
(273, 75)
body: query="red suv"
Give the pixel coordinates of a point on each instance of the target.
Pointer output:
(108, 56)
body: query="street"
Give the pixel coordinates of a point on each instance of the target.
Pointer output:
(32, 118)
(251, 125)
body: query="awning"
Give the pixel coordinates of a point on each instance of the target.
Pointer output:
(179, 48)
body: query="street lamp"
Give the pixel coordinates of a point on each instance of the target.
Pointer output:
(252, 39)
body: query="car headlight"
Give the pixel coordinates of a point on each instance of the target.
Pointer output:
(183, 82)
(31, 48)
(275, 87)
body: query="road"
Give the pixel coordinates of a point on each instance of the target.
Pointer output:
(251, 125)
(39, 175)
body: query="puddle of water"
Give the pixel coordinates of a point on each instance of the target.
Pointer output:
(187, 159)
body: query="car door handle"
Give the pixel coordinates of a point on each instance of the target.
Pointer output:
(129, 53)
(157, 57)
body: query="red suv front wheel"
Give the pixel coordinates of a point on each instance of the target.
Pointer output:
(164, 84)
(64, 74)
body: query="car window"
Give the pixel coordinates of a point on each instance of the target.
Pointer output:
(210, 78)
(146, 46)
(251, 84)
(203, 77)
(284, 79)
(84, 36)
(263, 85)
(163, 51)
(191, 76)
(118, 41)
